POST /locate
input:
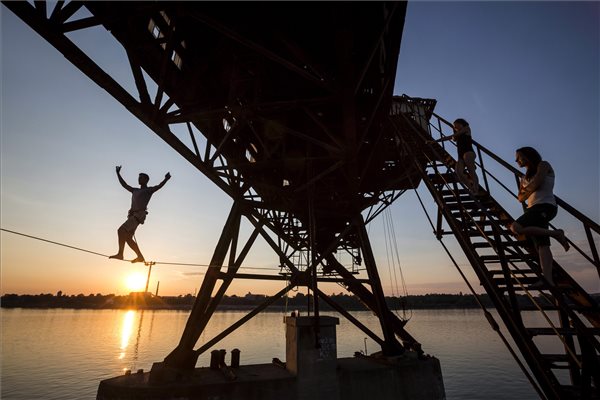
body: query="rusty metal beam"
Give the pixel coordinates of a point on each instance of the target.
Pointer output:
(376, 45)
(44, 28)
(80, 24)
(350, 318)
(391, 346)
(244, 319)
(138, 78)
(180, 356)
(230, 33)
(227, 275)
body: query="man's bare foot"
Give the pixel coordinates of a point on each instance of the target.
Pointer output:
(117, 256)
(562, 239)
(138, 259)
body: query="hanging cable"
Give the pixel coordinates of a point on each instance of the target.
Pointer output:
(390, 259)
(396, 264)
(387, 254)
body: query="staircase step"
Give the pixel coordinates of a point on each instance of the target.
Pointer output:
(470, 215)
(546, 331)
(453, 193)
(488, 232)
(473, 208)
(575, 392)
(526, 281)
(462, 194)
(468, 205)
(503, 244)
(484, 222)
(561, 358)
(508, 257)
(561, 366)
(477, 210)
(480, 218)
(441, 179)
(554, 307)
(518, 273)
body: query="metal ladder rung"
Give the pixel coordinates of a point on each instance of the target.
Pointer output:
(572, 392)
(562, 358)
(464, 193)
(521, 271)
(508, 257)
(526, 280)
(553, 307)
(467, 205)
(486, 222)
(550, 331)
(508, 243)
(440, 179)
(477, 233)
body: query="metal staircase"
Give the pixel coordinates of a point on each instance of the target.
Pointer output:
(506, 266)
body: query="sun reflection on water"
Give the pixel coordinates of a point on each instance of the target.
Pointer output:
(126, 331)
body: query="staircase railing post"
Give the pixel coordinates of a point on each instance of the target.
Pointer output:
(483, 170)
(590, 238)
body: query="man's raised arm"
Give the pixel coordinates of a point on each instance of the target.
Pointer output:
(122, 181)
(160, 185)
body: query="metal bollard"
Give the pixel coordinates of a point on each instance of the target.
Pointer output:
(214, 359)
(235, 358)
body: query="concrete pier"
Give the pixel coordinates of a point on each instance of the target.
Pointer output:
(312, 358)
(312, 371)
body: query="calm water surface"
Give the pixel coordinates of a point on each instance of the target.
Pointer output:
(63, 354)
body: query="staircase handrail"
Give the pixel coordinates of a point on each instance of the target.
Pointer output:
(563, 204)
(422, 121)
(422, 112)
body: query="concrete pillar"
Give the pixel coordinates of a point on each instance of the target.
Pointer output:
(315, 366)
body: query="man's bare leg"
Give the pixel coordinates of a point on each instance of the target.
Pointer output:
(122, 233)
(135, 247)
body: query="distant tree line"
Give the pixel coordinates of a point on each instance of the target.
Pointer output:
(299, 301)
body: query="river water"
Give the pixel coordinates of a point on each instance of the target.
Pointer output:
(63, 354)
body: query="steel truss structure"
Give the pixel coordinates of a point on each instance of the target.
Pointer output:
(284, 108)
(289, 109)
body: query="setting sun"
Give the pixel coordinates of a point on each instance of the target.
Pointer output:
(135, 281)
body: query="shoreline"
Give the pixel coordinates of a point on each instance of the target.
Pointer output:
(148, 301)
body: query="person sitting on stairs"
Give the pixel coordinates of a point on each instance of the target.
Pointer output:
(536, 188)
(140, 197)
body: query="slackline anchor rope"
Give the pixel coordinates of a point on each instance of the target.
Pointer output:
(106, 256)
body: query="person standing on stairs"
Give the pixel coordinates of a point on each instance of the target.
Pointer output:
(140, 197)
(536, 188)
(466, 154)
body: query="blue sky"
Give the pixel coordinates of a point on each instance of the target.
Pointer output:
(522, 73)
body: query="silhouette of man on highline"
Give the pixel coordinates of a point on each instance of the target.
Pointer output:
(140, 197)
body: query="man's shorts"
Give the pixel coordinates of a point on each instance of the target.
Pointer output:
(134, 218)
(538, 215)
